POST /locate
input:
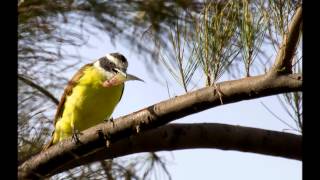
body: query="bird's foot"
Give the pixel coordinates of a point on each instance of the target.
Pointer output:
(75, 136)
(110, 119)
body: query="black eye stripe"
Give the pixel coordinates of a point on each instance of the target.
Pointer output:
(106, 64)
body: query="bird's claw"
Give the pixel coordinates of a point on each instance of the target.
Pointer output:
(111, 120)
(108, 119)
(75, 136)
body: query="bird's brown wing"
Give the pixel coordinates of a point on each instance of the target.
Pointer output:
(67, 92)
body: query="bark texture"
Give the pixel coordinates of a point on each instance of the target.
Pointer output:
(203, 135)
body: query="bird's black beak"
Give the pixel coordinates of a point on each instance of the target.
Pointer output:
(128, 77)
(132, 77)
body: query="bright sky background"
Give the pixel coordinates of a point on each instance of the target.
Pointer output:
(203, 163)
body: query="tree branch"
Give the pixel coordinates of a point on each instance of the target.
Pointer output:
(287, 50)
(39, 88)
(156, 115)
(203, 135)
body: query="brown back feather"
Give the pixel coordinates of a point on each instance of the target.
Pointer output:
(67, 92)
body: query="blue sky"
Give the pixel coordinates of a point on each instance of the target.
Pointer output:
(203, 163)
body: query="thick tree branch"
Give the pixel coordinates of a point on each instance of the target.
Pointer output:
(156, 115)
(283, 63)
(39, 88)
(203, 135)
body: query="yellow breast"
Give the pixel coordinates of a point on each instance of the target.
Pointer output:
(88, 105)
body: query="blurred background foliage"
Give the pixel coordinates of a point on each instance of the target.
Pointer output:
(189, 38)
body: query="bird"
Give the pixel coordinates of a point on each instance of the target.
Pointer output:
(90, 97)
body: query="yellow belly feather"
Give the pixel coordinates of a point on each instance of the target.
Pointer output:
(89, 104)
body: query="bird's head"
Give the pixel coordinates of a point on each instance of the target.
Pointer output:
(114, 67)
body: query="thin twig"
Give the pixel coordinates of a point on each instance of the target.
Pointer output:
(284, 122)
(39, 88)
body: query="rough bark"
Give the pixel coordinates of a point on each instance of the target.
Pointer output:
(203, 135)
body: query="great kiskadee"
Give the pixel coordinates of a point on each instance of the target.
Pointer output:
(90, 96)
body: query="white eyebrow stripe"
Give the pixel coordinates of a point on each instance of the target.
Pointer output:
(113, 59)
